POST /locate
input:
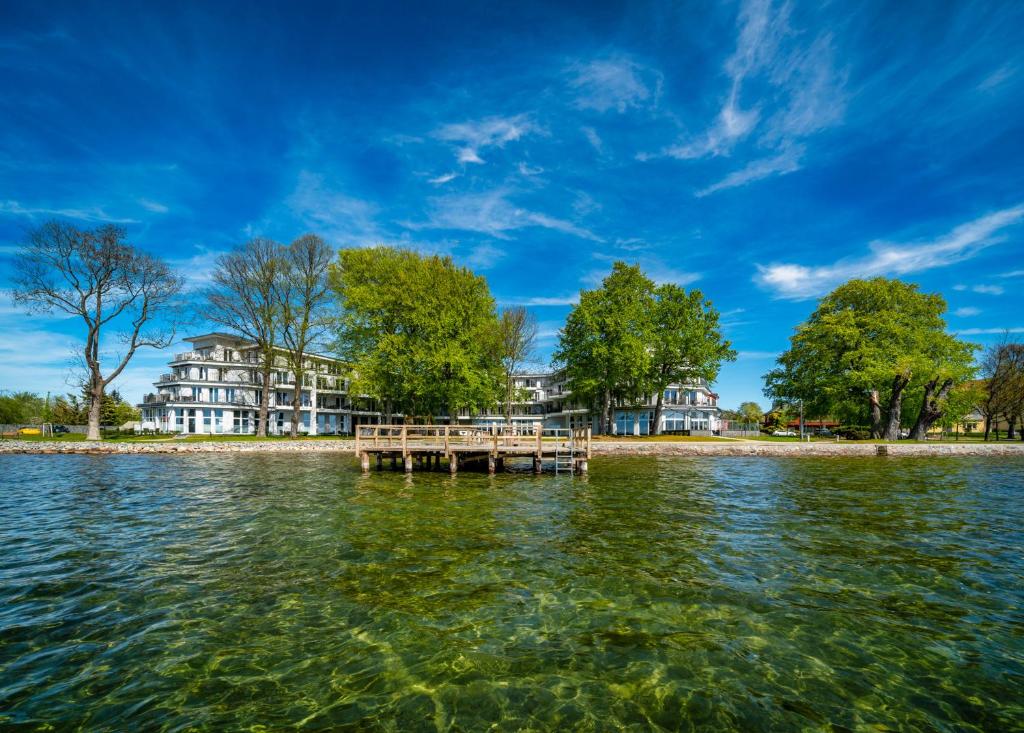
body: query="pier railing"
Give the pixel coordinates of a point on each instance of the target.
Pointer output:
(494, 439)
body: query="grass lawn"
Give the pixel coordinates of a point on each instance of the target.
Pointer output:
(659, 439)
(48, 438)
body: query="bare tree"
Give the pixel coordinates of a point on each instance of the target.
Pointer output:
(95, 275)
(517, 328)
(303, 297)
(1002, 371)
(244, 299)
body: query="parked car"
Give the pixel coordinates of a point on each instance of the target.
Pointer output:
(784, 434)
(60, 429)
(29, 431)
(823, 432)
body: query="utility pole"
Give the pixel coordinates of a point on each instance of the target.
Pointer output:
(801, 421)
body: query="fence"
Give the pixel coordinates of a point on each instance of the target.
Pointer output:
(11, 430)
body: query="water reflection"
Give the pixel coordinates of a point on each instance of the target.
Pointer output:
(164, 592)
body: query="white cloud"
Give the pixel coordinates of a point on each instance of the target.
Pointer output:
(786, 162)
(155, 206)
(444, 178)
(756, 355)
(797, 282)
(967, 311)
(1013, 273)
(799, 93)
(493, 213)
(988, 331)
(92, 214)
(988, 289)
(483, 257)
(526, 170)
(341, 219)
(593, 138)
(616, 82)
(474, 136)
(541, 300)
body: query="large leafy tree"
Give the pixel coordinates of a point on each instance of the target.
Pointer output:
(605, 344)
(686, 342)
(751, 412)
(869, 344)
(106, 283)
(420, 332)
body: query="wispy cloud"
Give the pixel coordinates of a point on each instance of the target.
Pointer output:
(342, 219)
(541, 301)
(989, 331)
(798, 93)
(616, 82)
(797, 282)
(1013, 273)
(483, 257)
(785, 162)
(474, 136)
(526, 170)
(495, 214)
(91, 214)
(756, 355)
(155, 206)
(967, 311)
(593, 138)
(444, 178)
(989, 289)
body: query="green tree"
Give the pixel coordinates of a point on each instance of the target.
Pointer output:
(751, 412)
(871, 343)
(685, 344)
(604, 346)
(420, 332)
(21, 408)
(116, 411)
(70, 410)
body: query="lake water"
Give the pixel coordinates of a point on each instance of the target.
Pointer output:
(267, 591)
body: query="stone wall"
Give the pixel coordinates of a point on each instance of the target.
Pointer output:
(600, 448)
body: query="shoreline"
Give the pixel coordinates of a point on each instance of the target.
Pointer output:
(599, 448)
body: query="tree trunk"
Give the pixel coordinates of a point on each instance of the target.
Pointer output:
(931, 408)
(296, 405)
(659, 406)
(264, 418)
(508, 399)
(876, 414)
(895, 411)
(1011, 427)
(606, 413)
(95, 406)
(988, 427)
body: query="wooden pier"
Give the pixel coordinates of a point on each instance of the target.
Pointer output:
(428, 445)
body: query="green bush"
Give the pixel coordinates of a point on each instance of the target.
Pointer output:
(854, 432)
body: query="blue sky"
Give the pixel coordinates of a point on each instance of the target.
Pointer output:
(760, 151)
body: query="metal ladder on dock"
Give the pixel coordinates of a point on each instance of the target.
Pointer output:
(565, 458)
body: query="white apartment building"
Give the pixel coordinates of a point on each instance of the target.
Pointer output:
(546, 398)
(216, 388)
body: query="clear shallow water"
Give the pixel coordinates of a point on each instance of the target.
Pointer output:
(270, 592)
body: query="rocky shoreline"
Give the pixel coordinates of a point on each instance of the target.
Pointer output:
(600, 448)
